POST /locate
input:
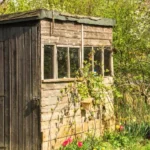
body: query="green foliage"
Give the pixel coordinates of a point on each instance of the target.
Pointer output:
(92, 85)
(137, 129)
(110, 141)
(131, 42)
(117, 139)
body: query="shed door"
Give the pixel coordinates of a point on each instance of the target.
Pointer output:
(19, 87)
(1, 97)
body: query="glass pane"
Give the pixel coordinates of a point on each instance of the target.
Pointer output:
(62, 62)
(107, 65)
(87, 55)
(74, 61)
(97, 60)
(48, 61)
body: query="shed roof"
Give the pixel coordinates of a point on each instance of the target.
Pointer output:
(49, 14)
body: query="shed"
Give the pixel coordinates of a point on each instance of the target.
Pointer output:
(40, 51)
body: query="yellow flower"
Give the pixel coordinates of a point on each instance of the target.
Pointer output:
(117, 127)
(134, 119)
(103, 148)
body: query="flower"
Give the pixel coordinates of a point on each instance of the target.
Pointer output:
(117, 127)
(65, 143)
(80, 144)
(121, 128)
(70, 140)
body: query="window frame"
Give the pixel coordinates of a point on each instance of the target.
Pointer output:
(81, 61)
(68, 59)
(55, 62)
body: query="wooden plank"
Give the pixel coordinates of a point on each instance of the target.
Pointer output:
(77, 34)
(69, 41)
(60, 26)
(61, 41)
(55, 63)
(10, 84)
(1, 34)
(92, 42)
(6, 89)
(54, 86)
(62, 33)
(49, 40)
(112, 64)
(1, 69)
(1, 91)
(82, 45)
(89, 28)
(28, 96)
(17, 89)
(2, 121)
(75, 42)
(68, 26)
(98, 35)
(14, 100)
(35, 74)
(102, 61)
(45, 23)
(19, 49)
(38, 85)
(24, 103)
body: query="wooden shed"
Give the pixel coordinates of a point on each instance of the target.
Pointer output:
(40, 51)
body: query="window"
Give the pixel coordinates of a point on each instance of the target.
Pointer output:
(100, 59)
(48, 61)
(107, 61)
(74, 61)
(68, 61)
(62, 58)
(61, 62)
(64, 61)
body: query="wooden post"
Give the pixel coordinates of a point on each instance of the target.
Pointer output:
(102, 59)
(82, 45)
(93, 59)
(42, 61)
(111, 63)
(55, 63)
(53, 22)
(68, 62)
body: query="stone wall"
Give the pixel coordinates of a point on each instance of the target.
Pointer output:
(61, 118)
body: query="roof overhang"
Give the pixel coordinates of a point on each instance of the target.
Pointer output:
(41, 14)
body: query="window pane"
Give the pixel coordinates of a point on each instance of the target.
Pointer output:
(87, 54)
(74, 61)
(97, 60)
(62, 62)
(88, 57)
(48, 61)
(107, 65)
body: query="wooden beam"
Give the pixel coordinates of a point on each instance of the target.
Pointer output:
(111, 63)
(82, 45)
(68, 62)
(102, 61)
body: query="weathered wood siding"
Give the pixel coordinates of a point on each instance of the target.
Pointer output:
(56, 124)
(19, 85)
(70, 34)
(61, 119)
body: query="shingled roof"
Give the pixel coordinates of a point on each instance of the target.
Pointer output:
(49, 14)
